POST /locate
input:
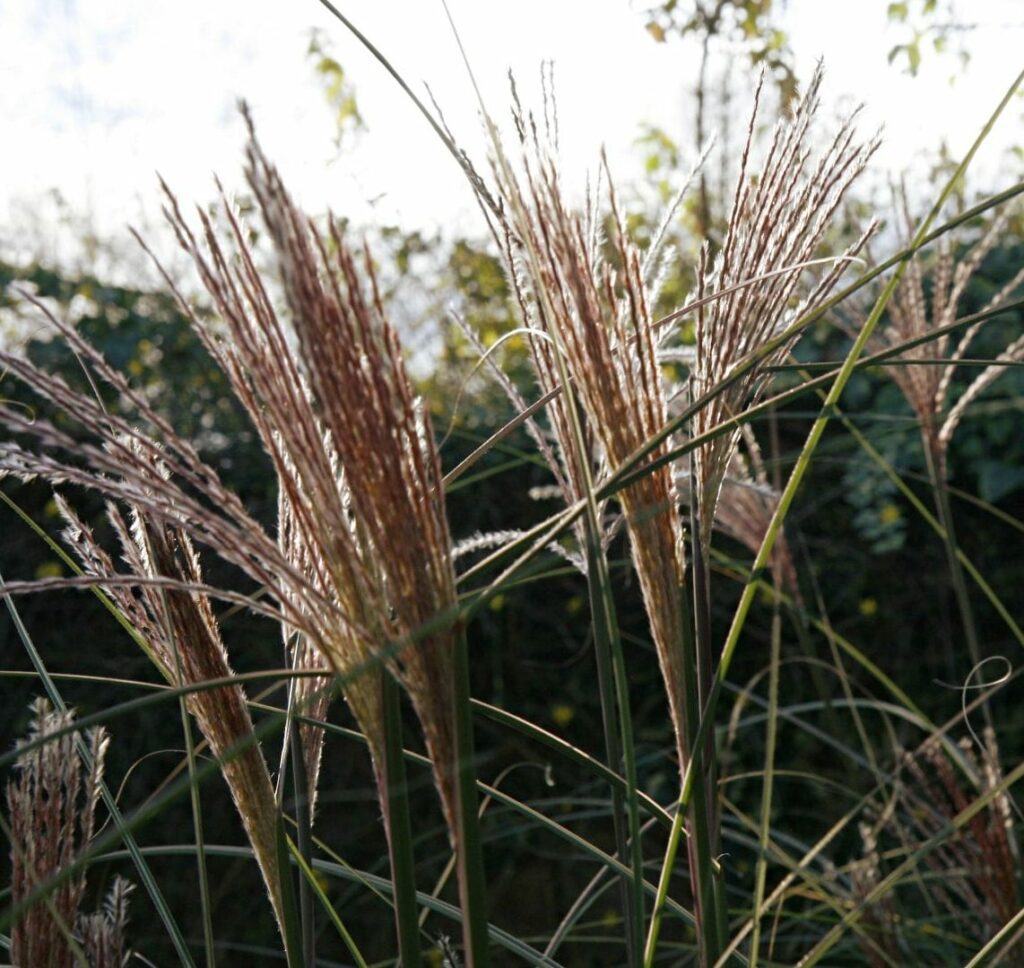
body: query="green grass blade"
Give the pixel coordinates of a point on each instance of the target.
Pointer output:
(303, 833)
(1009, 933)
(613, 690)
(311, 879)
(472, 883)
(400, 828)
(765, 826)
(292, 926)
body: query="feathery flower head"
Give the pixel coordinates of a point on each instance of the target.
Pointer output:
(779, 218)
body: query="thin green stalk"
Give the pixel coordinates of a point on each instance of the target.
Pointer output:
(399, 827)
(771, 733)
(205, 905)
(936, 462)
(310, 878)
(987, 507)
(292, 926)
(712, 887)
(485, 803)
(803, 463)
(584, 900)
(303, 833)
(701, 860)
(1004, 935)
(589, 896)
(635, 909)
(613, 691)
(799, 620)
(472, 883)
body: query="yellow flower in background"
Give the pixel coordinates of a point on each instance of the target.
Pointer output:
(890, 514)
(563, 714)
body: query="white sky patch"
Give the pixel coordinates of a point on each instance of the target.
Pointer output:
(97, 95)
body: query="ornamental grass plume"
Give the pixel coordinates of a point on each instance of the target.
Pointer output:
(780, 216)
(918, 308)
(51, 803)
(400, 542)
(180, 634)
(590, 322)
(971, 876)
(103, 932)
(363, 560)
(310, 697)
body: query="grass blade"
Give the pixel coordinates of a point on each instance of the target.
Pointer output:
(310, 879)
(472, 883)
(765, 826)
(399, 828)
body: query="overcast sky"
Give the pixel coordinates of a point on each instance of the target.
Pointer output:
(96, 95)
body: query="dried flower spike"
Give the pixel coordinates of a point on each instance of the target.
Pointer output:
(779, 219)
(51, 803)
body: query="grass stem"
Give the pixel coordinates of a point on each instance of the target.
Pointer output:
(613, 692)
(399, 827)
(304, 838)
(771, 733)
(472, 883)
(936, 462)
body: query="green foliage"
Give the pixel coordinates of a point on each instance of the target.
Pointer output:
(338, 89)
(753, 24)
(928, 25)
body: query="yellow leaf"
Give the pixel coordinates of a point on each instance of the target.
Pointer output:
(656, 31)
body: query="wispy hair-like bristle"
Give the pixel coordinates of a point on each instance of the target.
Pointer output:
(779, 217)
(51, 804)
